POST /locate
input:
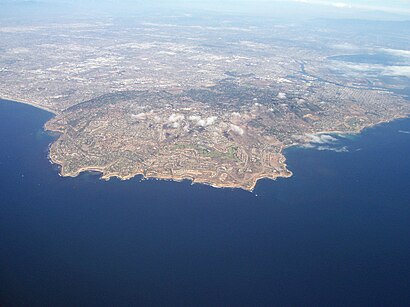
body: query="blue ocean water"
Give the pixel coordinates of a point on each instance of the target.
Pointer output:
(336, 233)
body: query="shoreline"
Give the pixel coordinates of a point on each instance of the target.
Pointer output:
(208, 183)
(353, 132)
(192, 179)
(5, 98)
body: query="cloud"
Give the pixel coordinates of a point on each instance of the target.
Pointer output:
(341, 5)
(175, 117)
(141, 115)
(399, 7)
(323, 142)
(194, 118)
(210, 120)
(378, 69)
(199, 121)
(282, 96)
(335, 149)
(398, 52)
(397, 71)
(345, 46)
(321, 138)
(237, 129)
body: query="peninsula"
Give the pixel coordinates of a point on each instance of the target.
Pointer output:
(189, 99)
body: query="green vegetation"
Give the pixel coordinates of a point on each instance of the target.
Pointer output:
(210, 152)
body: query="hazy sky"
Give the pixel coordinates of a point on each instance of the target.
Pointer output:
(299, 8)
(396, 6)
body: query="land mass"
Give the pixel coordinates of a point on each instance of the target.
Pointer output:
(192, 100)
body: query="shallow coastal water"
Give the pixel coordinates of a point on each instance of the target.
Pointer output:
(336, 233)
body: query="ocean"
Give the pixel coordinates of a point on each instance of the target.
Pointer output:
(336, 233)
